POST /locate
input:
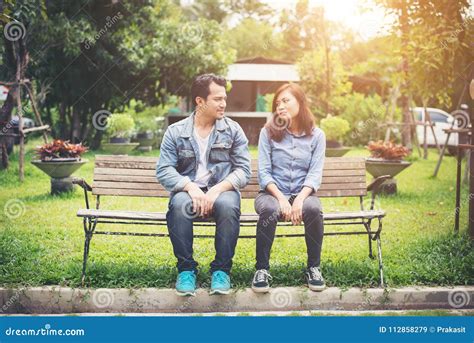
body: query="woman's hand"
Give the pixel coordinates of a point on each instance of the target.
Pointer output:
(285, 208)
(297, 210)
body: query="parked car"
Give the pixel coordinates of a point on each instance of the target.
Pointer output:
(27, 123)
(441, 120)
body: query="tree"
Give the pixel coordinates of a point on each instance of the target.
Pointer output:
(16, 19)
(322, 85)
(223, 11)
(427, 67)
(252, 38)
(99, 55)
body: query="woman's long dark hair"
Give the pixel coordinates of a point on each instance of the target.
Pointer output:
(304, 120)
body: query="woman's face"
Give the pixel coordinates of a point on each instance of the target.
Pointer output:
(287, 105)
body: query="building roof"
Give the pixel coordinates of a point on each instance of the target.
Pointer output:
(263, 72)
(261, 60)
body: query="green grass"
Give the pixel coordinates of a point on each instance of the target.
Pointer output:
(44, 245)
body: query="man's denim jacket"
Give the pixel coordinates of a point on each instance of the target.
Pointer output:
(228, 155)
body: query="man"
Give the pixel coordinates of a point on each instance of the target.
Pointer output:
(204, 161)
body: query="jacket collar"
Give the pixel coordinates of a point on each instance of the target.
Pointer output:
(221, 125)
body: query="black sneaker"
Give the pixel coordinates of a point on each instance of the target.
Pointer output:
(260, 281)
(315, 279)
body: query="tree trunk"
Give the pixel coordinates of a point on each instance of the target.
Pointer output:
(75, 126)
(85, 127)
(425, 131)
(95, 144)
(62, 121)
(6, 127)
(406, 128)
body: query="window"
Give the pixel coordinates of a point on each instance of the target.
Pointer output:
(438, 117)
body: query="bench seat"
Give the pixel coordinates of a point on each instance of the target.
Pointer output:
(246, 217)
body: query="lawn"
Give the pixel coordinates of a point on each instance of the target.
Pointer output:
(41, 239)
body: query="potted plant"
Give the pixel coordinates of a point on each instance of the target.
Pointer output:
(120, 127)
(60, 159)
(145, 136)
(335, 128)
(386, 158)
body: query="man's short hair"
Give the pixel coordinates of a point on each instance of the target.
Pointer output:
(200, 87)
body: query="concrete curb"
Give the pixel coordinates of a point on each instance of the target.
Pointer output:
(55, 299)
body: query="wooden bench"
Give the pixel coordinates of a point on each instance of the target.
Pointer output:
(135, 176)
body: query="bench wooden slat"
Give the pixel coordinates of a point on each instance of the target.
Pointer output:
(320, 193)
(152, 165)
(130, 192)
(341, 166)
(348, 172)
(125, 178)
(127, 158)
(118, 171)
(249, 188)
(245, 218)
(154, 159)
(146, 172)
(245, 194)
(126, 165)
(253, 180)
(127, 185)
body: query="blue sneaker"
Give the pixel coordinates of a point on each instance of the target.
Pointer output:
(186, 283)
(220, 283)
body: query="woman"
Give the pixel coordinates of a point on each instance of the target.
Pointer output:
(290, 164)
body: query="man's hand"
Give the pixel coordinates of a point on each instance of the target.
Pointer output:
(210, 199)
(198, 198)
(297, 210)
(285, 208)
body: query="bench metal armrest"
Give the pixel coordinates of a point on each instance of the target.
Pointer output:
(377, 182)
(81, 182)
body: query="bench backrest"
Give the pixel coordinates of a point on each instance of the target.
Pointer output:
(123, 175)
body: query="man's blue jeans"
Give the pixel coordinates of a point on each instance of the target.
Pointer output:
(180, 217)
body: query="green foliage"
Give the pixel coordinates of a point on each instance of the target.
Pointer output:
(120, 125)
(434, 43)
(375, 65)
(145, 124)
(334, 127)
(150, 118)
(321, 92)
(269, 100)
(364, 114)
(251, 38)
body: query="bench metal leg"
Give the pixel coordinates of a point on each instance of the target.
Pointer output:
(371, 255)
(379, 250)
(89, 227)
(369, 235)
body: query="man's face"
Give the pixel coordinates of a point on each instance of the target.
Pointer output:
(216, 102)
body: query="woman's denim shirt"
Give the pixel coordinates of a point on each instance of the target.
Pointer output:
(292, 163)
(228, 155)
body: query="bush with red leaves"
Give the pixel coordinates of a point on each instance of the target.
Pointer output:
(60, 149)
(387, 150)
